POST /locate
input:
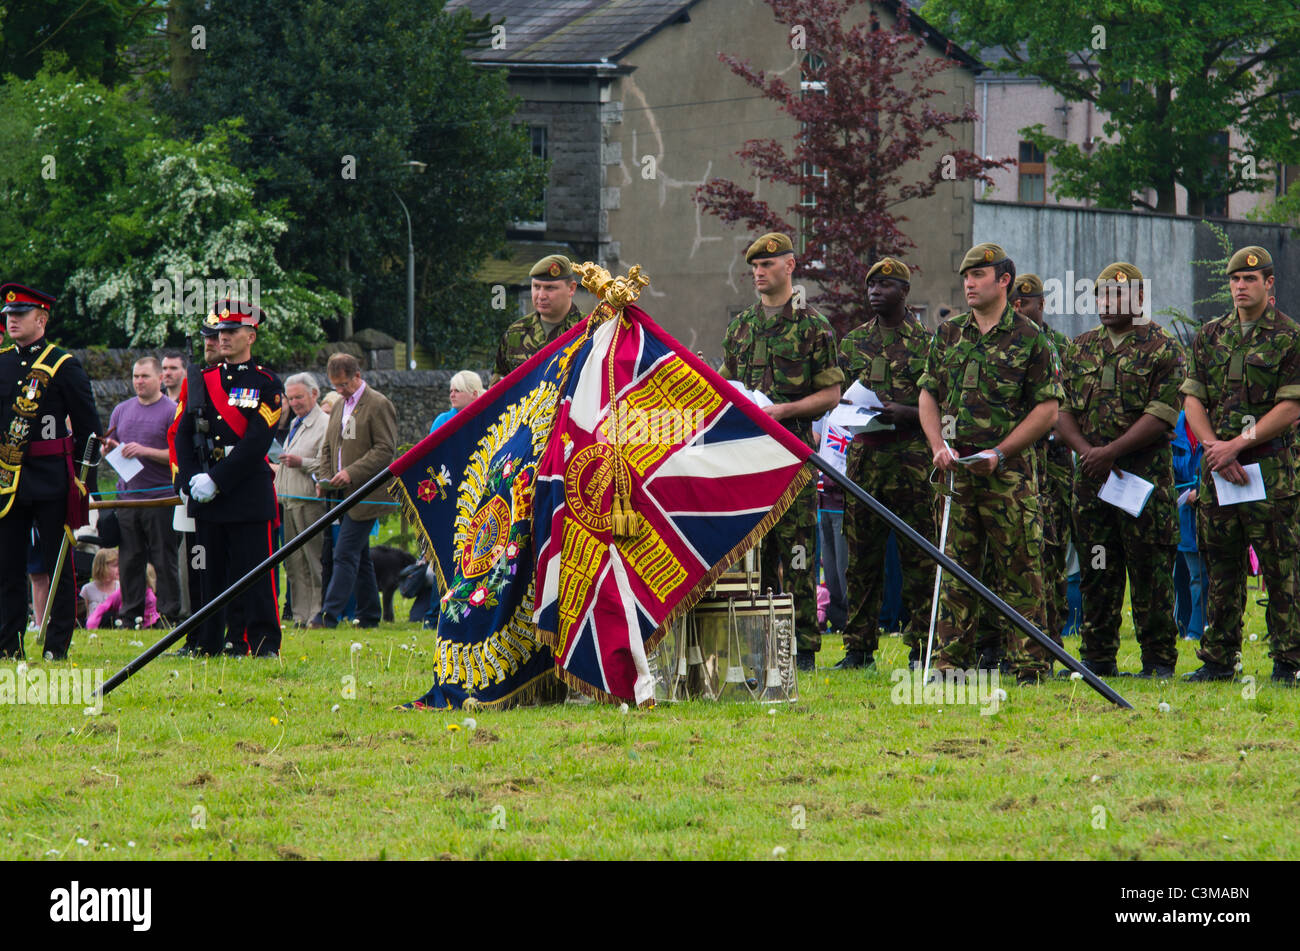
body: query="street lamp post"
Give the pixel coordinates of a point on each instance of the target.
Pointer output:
(410, 286)
(410, 271)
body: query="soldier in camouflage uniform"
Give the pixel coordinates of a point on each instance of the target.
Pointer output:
(787, 353)
(554, 312)
(1121, 399)
(887, 355)
(991, 388)
(1055, 471)
(1242, 396)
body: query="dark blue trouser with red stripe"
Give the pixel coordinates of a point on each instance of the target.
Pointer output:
(15, 532)
(250, 622)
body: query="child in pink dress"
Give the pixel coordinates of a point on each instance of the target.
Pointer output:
(106, 611)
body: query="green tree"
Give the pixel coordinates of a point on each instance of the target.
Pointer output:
(106, 40)
(335, 98)
(106, 210)
(1171, 78)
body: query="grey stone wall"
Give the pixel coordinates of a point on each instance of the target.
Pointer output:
(1070, 245)
(418, 395)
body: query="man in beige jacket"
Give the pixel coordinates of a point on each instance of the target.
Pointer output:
(295, 486)
(360, 441)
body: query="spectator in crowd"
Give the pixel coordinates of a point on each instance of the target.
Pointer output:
(109, 611)
(1189, 579)
(38, 573)
(140, 426)
(832, 546)
(466, 387)
(360, 441)
(173, 373)
(296, 488)
(103, 581)
(327, 402)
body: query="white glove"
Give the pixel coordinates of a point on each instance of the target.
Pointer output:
(202, 488)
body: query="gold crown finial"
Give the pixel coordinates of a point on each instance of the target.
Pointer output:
(615, 291)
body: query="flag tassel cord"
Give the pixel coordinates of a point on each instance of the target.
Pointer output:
(217, 603)
(957, 571)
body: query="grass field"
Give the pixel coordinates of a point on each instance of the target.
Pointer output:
(268, 760)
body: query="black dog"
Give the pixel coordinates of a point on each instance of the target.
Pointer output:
(389, 562)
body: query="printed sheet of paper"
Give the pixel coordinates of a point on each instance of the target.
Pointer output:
(128, 469)
(1126, 491)
(857, 419)
(1252, 491)
(275, 451)
(754, 396)
(859, 395)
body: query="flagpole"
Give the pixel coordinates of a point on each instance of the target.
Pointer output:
(960, 573)
(205, 612)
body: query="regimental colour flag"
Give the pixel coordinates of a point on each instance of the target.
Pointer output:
(469, 487)
(658, 475)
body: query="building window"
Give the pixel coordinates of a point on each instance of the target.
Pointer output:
(537, 137)
(810, 83)
(1033, 175)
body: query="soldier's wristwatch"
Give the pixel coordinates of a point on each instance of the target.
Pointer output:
(1002, 457)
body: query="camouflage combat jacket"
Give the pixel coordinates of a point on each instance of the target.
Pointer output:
(1239, 379)
(1108, 388)
(990, 382)
(787, 357)
(889, 361)
(526, 336)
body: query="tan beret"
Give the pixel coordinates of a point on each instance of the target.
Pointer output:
(771, 245)
(1027, 285)
(1253, 258)
(982, 255)
(1121, 272)
(891, 268)
(553, 267)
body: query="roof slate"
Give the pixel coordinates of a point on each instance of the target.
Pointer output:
(571, 31)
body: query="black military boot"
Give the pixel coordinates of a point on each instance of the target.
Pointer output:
(989, 658)
(914, 657)
(1156, 671)
(1285, 675)
(1210, 672)
(806, 661)
(853, 659)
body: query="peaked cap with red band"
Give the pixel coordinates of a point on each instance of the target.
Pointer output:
(232, 314)
(17, 299)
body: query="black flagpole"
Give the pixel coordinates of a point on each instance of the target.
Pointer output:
(197, 618)
(957, 571)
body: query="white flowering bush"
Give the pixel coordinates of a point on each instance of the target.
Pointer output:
(124, 222)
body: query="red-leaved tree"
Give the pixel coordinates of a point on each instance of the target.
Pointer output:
(866, 112)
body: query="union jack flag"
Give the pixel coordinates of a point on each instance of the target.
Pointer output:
(706, 473)
(838, 440)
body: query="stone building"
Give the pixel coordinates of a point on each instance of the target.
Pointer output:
(632, 106)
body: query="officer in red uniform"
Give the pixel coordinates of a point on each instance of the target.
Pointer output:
(219, 464)
(42, 387)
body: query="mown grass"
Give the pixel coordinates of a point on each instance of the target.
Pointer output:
(249, 759)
